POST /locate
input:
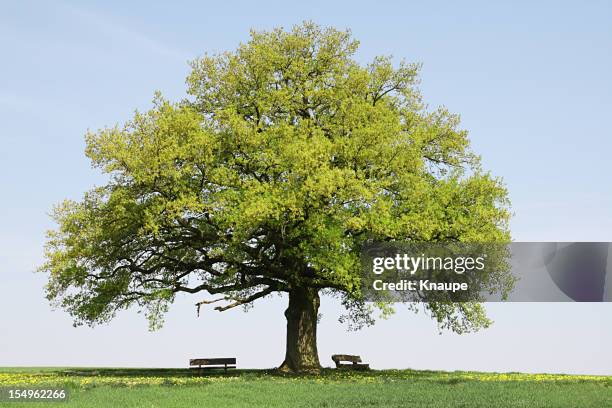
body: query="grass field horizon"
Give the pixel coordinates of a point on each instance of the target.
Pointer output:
(176, 387)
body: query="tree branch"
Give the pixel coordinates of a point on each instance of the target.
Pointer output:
(246, 300)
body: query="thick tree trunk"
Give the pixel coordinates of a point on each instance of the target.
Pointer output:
(301, 354)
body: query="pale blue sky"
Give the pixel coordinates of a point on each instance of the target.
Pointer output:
(531, 81)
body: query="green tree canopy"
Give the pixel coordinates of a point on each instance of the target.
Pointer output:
(285, 158)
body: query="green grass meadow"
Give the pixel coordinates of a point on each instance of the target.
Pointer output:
(106, 387)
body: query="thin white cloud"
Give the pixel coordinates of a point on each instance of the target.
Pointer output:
(114, 29)
(15, 102)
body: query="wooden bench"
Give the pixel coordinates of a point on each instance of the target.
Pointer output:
(355, 361)
(212, 363)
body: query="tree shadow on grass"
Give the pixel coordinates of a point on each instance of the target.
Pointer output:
(154, 372)
(326, 374)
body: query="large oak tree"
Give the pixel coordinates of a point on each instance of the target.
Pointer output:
(287, 156)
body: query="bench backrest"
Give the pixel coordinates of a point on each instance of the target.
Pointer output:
(211, 361)
(346, 357)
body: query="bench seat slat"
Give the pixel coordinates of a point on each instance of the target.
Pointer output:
(211, 361)
(349, 362)
(346, 357)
